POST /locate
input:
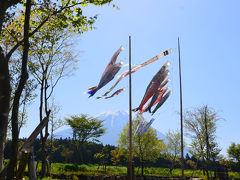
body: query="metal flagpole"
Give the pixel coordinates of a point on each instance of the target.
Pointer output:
(130, 115)
(180, 78)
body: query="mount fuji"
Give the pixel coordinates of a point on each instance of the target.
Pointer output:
(114, 121)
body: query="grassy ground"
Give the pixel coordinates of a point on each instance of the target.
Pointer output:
(69, 169)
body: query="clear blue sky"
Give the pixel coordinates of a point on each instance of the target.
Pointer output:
(210, 46)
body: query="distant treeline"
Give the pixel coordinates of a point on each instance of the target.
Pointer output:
(88, 150)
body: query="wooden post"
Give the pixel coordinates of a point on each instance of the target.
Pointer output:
(22, 165)
(35, 133)
(180, 79)
(31, 166)
(27, 144)
(207, 140)
(130, 115)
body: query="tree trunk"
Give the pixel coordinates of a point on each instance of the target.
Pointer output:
(80, 150)
(203, 171)
(172, 167)
(43, 138)
(170, 170)
(48, 169)
(18, 93)
(5, 93)
(76, 155)
(5, 87)
(44, 155)
(22, 165)
(31, 167)
(142, 166)
(37, 165)
(44, 163)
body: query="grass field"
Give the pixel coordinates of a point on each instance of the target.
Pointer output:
(69, 169)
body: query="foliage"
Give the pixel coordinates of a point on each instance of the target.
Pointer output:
(66, 153)
(173, 148)
(54, 121)
(51, 14)
(116, 156)
(234, 153)
(103, 157)
(193, 165)
(224, 162)
(201, 125)
(85, 128)
(91, 167)
(40, 16)
(146, 147)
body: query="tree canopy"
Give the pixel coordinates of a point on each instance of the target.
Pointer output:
(234, 153)
(85, 128)
(173, 148)
(146, 147)
(22, 23)
(201, 125)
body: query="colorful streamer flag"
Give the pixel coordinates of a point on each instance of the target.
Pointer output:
(155, 99)
(164, 98)
(113, 60)
(154, 85)
(157, 96)
(139, 128)
(147, 126)
(109, 73)
(116, 93)
(164, 83)
(124, 74)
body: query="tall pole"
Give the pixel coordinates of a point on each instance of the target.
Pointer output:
(181, 116)
(130, 115)
(207, 139)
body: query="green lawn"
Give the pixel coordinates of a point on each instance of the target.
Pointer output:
(69, 169)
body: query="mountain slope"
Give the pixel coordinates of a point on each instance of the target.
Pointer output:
(114, 121)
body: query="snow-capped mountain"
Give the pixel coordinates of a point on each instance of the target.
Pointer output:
(114, 121)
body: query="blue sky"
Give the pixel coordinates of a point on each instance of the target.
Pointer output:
(209, 37)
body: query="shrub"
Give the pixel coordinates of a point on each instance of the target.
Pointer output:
(70, 167)
(83, 167)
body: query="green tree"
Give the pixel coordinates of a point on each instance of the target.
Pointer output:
(146, 147)
(103, 157)
(66, 153)
(223, 161)
(5, 87)
(193, 165)
(50, 60)
(61, 14)
(234, 153)
(85, 129)
(173, 148)
(116, 156)
(54, 123)
(99, 157)
(201, 125)
(18, 93)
